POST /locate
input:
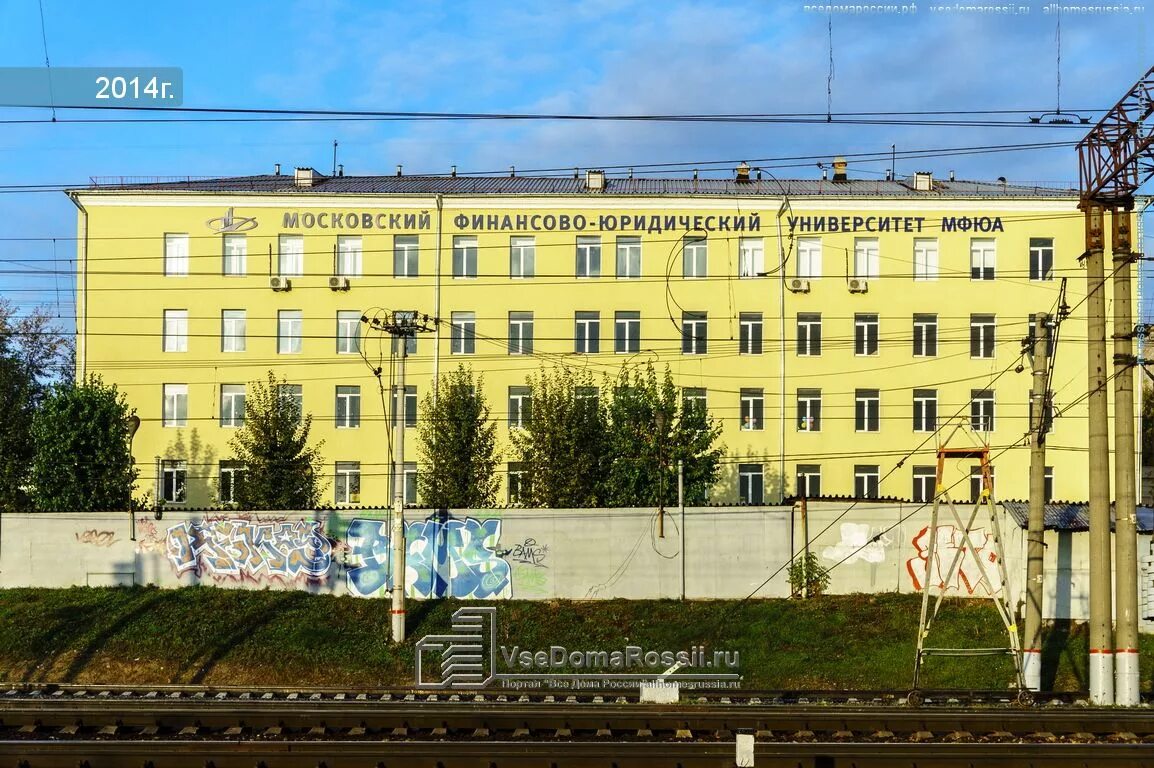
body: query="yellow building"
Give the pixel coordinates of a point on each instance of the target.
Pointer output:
(830, 326)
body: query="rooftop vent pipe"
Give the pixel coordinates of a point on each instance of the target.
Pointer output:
(305, 177)
(839, 166)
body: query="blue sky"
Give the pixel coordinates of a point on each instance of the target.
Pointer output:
(589, 57)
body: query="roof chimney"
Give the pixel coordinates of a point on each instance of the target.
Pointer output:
(305, 177)
(951, 175)
(742, 172)
(594, 180)
(453, 172)
(923, 181)
(276, 169)
(889, 175)
(839, 165)
(341, 169)
(399, 169)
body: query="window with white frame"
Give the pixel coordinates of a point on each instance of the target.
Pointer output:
(693, 399)
(176, 330)
(925, 483)
(410, 475)
(982, 335)
(588, 256)
(587, 333)
(750, 484)
(925, 335)
(348, 482)
(519, 408)
(173, 474)
(695, 258)
(522, 257)
(982, 410)
(865, 334)
(293, 397)
(808, 334)
(1048, 485)
(982, 258)
(232, 405)
(406, 256)
(348, 406)
(809, 410)
(410, 340)
(867, 404)
(348, 332)
(231, 475)
(866, 258)
(464, 256)
(291, 256)
(233, 331)
(175, 255)
(175, 405)
(289, 326)
(809, 480)
(925, 410)
(750, 257)
(518, 483)
(349, 249)
(750, 333)
(628, 257)
(866, 479)
(520, 333)
(1041, 258)
(410, 406)
(586, 397)
(977, 485)
(694, 333)
(925, 259)
(235, 262)
(809, 258)
(626, 332)
(463, 333)
(752, 409)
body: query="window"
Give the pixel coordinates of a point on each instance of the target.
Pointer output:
(291, 256)
(865, 411)
(809, 410)
(522, 255)
(172, 476)
(925, 259)
(925, 410)
(694, 333)
(865, 258)
(694, 258)
(587, 333)
(865, 334)
(752, 409)
(1051, 414)
(463, 333)
(693, 399)
(925, 481)
(406, 256)
(809, 257)
(520, 333)
(750, 484)
(809, 480)
(626, 332)
(751, 333)
(288, 331)
(586, 397)
(519, 407)
(232, 405)
(1049, 326)
(1041, 258)
(1048, 485)
(410, 406)
(410, 344)
(349, 255)
(232, 330)
(348, 407)
(925, 335)
(982, 410)
(518, 483)
(982, 257)
(176, 255)
(292, 395)
(866, 478)
(750, 257)
(410, 476)
(588, 257)
(628, 257)
(976, 482)
(808, 335)
(348, 333)
(176, 330)
(464, 256)
(231, 474)
(348, 482)
(175, 405)
(981, 335)
(235, 255)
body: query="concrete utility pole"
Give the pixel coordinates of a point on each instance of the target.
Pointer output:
(1126, 683)
(1035, 547)
(398, 532)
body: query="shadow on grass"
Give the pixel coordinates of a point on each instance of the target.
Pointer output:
(94, 646)
(1055, 646)
(244, 627)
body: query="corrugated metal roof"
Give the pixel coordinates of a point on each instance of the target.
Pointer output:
(551, 185)
(1072, 516)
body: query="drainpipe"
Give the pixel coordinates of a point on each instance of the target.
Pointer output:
(781, 359)
(437, 304)
(82, 296)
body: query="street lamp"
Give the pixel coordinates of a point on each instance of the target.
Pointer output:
(133, 425)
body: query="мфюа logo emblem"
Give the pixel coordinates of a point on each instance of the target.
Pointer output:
(229, 223)
(470, 658)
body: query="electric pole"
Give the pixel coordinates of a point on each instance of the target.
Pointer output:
(1035, 547)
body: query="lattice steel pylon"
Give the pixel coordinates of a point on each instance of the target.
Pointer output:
(990, 555)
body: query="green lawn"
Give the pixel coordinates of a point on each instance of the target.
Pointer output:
(216, 636)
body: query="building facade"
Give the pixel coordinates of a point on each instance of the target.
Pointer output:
(837, 330)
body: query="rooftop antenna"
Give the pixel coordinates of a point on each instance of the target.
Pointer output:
(1057, 117)
(334, 157)
(829, 77)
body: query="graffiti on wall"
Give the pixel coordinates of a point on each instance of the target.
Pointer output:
(529, 552)
(950, 541)
(857, 543)
(444, 558)
(249, 549)
(96, 538)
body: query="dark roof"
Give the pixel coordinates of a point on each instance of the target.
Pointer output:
(553, 185)
(1072, 516)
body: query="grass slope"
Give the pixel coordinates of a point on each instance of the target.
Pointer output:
(213, 636)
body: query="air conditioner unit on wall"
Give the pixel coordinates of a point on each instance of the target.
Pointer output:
(278, 283)
(858, 285)
(799, 285)
(338, 283)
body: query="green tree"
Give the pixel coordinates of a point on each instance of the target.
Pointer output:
(1147, 425)
(281, 469)
(458, 445)
(82, 459)
(650, 429)
(562, 442)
